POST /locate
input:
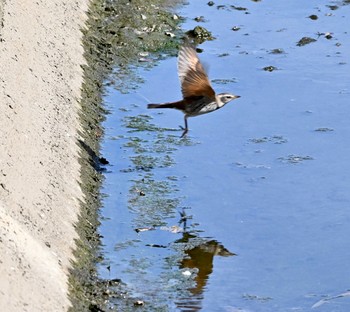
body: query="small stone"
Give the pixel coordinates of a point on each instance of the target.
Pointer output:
(199, 19)
(333, 7)
(269, 68)
(103, 161)
(169, 34)
(277, 51)
(138, 230)
(313, 17)
(304, 41)
(328, 35)
(200, 34)
(211, 3)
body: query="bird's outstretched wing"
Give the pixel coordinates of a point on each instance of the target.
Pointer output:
(193, 78)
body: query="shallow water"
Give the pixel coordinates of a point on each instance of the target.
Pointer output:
(251, 211)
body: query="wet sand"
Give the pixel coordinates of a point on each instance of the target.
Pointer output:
(40, 85)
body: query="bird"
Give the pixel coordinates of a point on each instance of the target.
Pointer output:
(198, 95)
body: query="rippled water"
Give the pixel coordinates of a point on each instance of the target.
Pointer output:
(251, 211)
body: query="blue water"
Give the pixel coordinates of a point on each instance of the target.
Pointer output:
(262, 184)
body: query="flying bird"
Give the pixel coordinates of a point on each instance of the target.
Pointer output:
(198, 96)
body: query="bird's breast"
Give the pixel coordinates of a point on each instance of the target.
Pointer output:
(200, 106)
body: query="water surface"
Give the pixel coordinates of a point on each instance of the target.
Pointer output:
(251, 211)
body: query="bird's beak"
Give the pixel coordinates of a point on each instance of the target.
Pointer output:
(237, 96)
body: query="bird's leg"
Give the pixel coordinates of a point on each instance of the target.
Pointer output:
(185, 129)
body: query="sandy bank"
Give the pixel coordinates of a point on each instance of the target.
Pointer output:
(40, 81)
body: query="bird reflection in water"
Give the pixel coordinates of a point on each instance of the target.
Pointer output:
(199, 255)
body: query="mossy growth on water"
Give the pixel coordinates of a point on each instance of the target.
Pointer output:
(116, 33)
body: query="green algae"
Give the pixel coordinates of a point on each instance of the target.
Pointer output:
(116, 33)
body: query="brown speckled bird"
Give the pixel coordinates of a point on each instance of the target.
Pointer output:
(198, 96)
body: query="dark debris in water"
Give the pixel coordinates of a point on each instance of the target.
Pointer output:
(276, 139)
(231, 7)
(251, 166)
(139, 303)
(324, 129)
(333, 7)
(313, 17)
(156, 246)
(256, 298)
(277, 51)
(270, 68)
(294, 159)
(224, 54)
(145, 229)
(305, 40)
(200, 19)
(327, 35)
(238, 8)
(223, 81)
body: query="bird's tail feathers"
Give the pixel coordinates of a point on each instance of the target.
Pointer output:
(165, 105)
(177, 105)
